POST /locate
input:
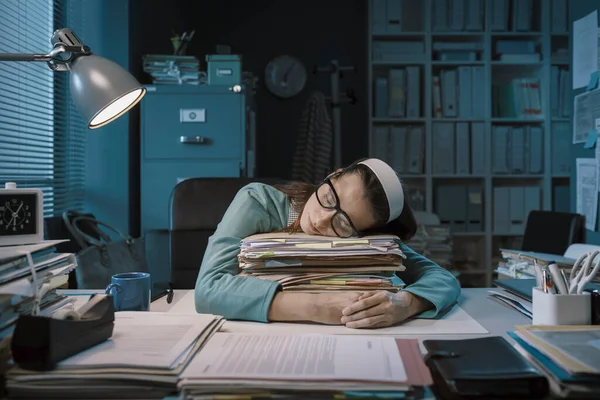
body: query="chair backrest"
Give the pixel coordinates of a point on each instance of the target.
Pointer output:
(552, 231)
(196, 207)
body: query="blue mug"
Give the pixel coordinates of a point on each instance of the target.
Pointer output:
(130, 291)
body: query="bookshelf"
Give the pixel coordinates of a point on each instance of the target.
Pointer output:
(449, 157)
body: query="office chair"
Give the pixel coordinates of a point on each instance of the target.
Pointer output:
(196, 207)
(552, 231)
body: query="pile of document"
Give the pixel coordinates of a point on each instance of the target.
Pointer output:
(301, 262)
(569, 356)
(21, 293)
(143, 359)
(435, 243)
(172, 70)
(243, 365)
(521, 264)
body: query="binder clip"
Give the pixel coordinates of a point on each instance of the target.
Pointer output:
(40, 343)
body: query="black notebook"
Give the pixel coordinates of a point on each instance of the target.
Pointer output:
(486, 367)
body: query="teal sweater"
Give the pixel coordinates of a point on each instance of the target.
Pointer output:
(259, 208)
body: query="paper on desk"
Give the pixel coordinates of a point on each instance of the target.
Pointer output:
(587, 190)
(298, 357)
(585, 49)
(456, 321)
(512, 301)
(144, 339)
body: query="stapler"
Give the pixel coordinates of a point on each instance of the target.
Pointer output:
(40, 343)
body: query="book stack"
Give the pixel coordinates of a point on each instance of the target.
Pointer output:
(142, 360)
(301, 262)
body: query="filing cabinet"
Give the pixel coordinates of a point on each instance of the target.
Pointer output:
(190, 131)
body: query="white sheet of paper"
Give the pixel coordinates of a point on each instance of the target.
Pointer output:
(456, 321)
(587, 190)
(586, 108)
(585, 49)
(298, 357)
(144, 339)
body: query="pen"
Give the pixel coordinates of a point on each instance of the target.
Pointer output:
(538, 273)
(544, 281)
(564, 276)
(557, 279)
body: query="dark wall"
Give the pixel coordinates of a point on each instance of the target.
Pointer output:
(315, 31)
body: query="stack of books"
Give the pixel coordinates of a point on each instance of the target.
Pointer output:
(301, 262)
(142, 360)
(172, 70)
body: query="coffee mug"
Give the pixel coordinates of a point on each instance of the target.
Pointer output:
(130, 291)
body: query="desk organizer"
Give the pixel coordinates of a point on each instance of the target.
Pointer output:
(561, 309)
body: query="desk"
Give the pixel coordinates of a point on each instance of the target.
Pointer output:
(494, 317)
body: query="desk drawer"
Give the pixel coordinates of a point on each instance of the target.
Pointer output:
(160, 177)
(193, 126)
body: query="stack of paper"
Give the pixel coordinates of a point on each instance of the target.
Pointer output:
(521, 264)
(568, 355)
(435, 243)
(172, 70)
(302, 262)
(18, 287)
(142, 359)
(306, 365)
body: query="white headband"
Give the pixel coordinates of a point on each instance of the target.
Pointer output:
(391, 185)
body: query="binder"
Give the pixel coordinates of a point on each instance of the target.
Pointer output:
(478, 156)
(443, 144)
(378, 17)
(380, 142)
(397, 95)
(500, 149)
(394, 16)
(499, 18)
(559, 16)
(478, 94)
(449, 81)
(381, 98)
(522, 15)
(436, 96)
(555, 91)
(459, 201)
(398, 145)
(444, 202)
(474, 16)
(416, 140)
(462, 149)
(413, 83)
(465, 96)
(561, 145)
(516, 210)
(457, 15)
(474, 208)
(440, 15)
(517, 150)
(535, 149)
(533, 197)
(501, 210)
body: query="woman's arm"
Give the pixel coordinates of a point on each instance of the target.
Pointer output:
(429, 282)
(218, 288)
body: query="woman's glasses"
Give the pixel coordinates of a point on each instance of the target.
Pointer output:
(340, 222)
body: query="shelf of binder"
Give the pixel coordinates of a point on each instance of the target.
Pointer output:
(172, 70)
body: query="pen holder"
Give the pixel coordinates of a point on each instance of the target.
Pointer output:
(561, 309)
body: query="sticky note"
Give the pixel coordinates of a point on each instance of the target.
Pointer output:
(591, 139)
(593, 81)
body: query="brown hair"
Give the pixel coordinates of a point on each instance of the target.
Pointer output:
(405, 226)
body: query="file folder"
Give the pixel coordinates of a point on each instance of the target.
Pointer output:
(443, 146)
(463, 149)
(478, 156)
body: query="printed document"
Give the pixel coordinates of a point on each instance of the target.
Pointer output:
(586, 110)
(298, 357)
(585, 49)
(587, 190)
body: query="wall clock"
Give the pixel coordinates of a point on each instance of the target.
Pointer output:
(21, 215)
(285, 76)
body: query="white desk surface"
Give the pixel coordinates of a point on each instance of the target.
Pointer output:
(496, 318)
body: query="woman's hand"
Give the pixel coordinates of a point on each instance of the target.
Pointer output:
(382, 308)
(327, 307)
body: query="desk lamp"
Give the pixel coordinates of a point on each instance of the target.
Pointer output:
(101, 89)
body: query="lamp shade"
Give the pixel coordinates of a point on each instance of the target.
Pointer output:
(102, 90)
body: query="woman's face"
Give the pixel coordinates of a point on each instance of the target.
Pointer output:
(316, 220)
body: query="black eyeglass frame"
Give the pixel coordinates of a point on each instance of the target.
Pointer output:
(336, 207)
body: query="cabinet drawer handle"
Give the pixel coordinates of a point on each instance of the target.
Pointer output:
(195, 140)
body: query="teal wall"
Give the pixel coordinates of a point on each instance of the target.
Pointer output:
(107, 152)
(577, 10)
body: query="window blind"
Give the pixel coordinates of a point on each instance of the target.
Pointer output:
(42, 137)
